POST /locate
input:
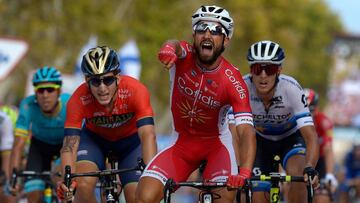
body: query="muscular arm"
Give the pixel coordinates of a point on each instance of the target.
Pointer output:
(148, 142)
(68, 151)
(247, 145)
(235, 140)
(17, 151)
(312, 146)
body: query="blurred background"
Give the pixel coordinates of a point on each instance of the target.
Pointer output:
(320, 37)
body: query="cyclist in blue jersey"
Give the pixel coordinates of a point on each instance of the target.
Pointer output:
(282, 121)
(42, 116)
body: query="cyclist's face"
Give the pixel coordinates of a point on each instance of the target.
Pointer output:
(47, 95)
(209, 45)
(263, 82)
(103, 88)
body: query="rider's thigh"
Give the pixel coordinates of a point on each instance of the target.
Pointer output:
(295, 165)
(129, 192)
(86, 185)
(226, 196)
(322, 198)
(149, 190)
(260, 197)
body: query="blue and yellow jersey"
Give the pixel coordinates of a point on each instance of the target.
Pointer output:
(49, 129)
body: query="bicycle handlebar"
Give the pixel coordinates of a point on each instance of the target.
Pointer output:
(278, 177)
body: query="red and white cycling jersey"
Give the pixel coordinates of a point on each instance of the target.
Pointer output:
(201, 98)
(132, 109)
(324, 129)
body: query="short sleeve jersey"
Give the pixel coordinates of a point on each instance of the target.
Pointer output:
(288, 111)
(49, 129)
(200, 98)
(324, 129)
(131, 110)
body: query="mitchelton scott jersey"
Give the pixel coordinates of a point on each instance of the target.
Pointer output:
(131, 110)
(200, 98)
(287, 113)
(6, 132)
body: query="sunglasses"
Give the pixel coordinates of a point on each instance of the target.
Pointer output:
(215, 29)
(96, 81)
(41, 90)
(270, 69)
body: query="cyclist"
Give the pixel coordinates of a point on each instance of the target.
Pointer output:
(42, 115)
(282, 121)
(326, 162)
(117, 116)
(6, 142)
(352, 176)
(204, 86)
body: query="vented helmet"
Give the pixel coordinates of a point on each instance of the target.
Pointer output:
(100, 60)
(47, 74)
(265, 52)
(216, 14)
(312, 98)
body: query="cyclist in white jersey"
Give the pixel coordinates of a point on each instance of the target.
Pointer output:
(282, 120)
(6, 142)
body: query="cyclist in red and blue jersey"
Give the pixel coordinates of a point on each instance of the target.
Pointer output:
(326, 163)
(109, 112)
(42, 116)
(282, 121)
(204, 85)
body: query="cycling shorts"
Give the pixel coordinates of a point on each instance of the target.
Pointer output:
(40, 157)
(267, 149)
(94, 148)
(179, 160)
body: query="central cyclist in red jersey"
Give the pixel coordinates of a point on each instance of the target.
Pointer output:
(117, 117)
(204, 85)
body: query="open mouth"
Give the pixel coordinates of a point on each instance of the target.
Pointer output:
(207, 46)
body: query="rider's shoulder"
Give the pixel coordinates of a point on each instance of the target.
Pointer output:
(289, 82)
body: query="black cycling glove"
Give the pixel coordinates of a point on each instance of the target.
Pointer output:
(311, 172)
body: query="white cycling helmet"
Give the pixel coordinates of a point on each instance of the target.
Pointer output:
(216, 14)
(266, 52)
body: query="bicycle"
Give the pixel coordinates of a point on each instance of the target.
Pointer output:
(49, 191)
(275, 178)
(206, 195)
(107, 178)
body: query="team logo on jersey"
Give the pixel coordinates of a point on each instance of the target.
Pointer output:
(239, 88)
(192, 114)
(124, 93)
(113, 121)
(197, 94)
(86, 99)
(193, 73)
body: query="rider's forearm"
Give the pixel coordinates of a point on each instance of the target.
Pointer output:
(16, 152)
(247, 146)
(148, 142)
(329, 158)
(68, 151)
(312, 146)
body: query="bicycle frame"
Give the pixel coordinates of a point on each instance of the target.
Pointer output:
(275, 179)
(48, 191)
(108, 174)
(206, 195)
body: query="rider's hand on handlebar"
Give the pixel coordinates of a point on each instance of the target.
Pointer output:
(313, 174)
(167, 55)
(237, 181)
(65, 193)
(332, 181)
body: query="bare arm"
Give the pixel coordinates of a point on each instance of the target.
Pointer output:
(5, 158)
(329, 158)
(235, 140)
(312, 146)
(246, 145)
(68, 151)
(16, 152)
(148, 142)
